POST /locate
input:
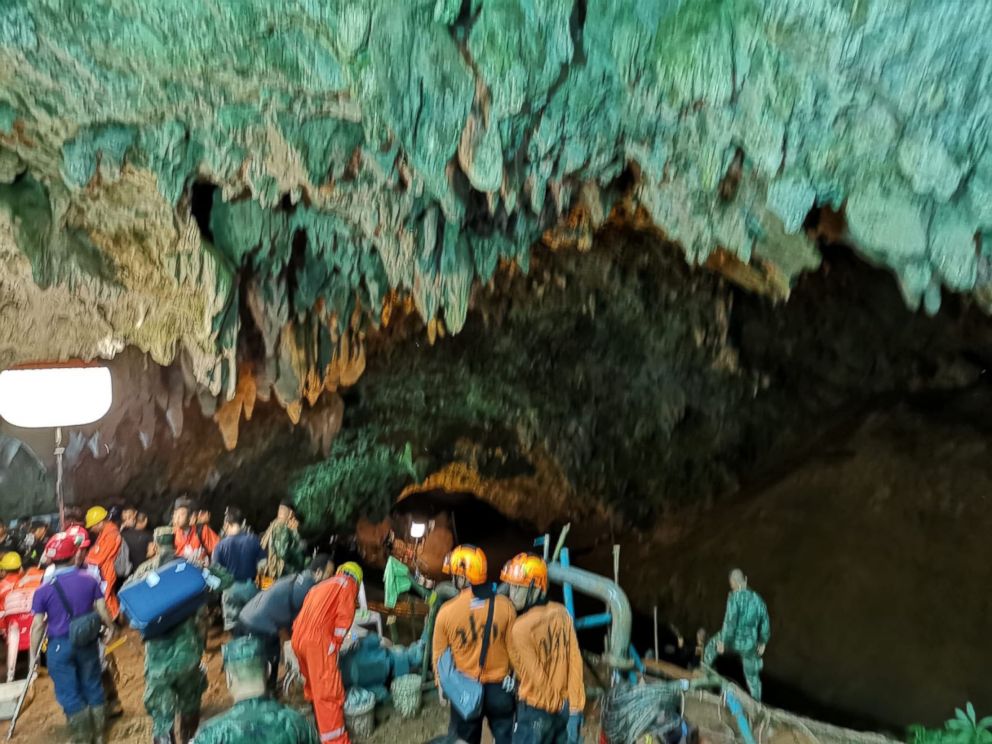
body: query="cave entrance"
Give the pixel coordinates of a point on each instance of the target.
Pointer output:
(451, 518)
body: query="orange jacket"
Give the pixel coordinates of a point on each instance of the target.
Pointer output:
(459, 626)
(197, 538)
(327, 613)
(7, 584)
(102, 555)
(546, 658)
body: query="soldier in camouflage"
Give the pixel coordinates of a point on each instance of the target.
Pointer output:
(746, 631)
(282, 543)
(254, 717)
(174, 678)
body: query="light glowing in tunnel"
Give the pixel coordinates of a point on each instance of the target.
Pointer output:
(418, 530)
(48, 397)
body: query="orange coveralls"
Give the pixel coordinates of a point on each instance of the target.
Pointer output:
(102, 555)
(324, 620)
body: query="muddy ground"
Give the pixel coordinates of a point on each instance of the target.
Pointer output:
(42, 721)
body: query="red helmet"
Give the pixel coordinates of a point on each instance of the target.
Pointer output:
(64, 545)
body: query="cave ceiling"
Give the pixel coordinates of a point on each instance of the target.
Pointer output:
(242, 188)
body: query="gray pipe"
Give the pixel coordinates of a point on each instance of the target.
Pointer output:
(601, 587)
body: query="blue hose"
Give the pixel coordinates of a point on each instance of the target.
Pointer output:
(737, 710)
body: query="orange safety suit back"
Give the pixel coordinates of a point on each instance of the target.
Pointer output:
(459, 626)
(102, 555)
(7, 583)
(545, 655)
(326, 616)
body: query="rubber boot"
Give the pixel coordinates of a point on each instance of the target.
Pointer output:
(99, 715)
(81, 728)
(114, 707)
(188, 725)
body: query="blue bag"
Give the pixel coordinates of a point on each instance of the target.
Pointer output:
(463, 692)
(166, 597)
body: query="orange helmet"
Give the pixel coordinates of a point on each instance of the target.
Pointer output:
(467, 561)
(526, 570)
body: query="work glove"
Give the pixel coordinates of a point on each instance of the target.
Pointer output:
(509, 684)
(575, 728)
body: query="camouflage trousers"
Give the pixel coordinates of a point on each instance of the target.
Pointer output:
(173, 692)
(752, 663)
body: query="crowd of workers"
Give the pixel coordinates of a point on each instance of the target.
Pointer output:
(511, 660)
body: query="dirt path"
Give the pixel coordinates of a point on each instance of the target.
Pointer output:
(42, 721)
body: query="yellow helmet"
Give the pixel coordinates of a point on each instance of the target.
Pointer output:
(526, 570)
(94, 516)
(468, 562)
(10, 562)
(351, 569)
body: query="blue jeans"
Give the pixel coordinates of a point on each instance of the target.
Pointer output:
(535, 726)
(497, 708)
(75, 672)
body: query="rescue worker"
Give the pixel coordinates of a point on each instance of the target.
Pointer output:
(461, 626)
(10, 573)
(544, 652)
(194, 542)
(103, 554)
(746, 631)
(270, 614)
(102, 557)
(136, 536)
(17, 617)
(7, 540)
(253, 715)
(33, 544)
(174, 677)
(241, 554)
(282, 544)
(321, 627)
(75, 670)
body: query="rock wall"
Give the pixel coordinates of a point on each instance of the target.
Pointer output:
(347, 148)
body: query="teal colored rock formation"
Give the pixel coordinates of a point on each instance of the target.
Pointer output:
(359, 146)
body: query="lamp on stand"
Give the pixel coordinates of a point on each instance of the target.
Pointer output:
(53, 395)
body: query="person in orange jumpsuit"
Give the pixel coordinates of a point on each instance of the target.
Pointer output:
(103, 554)
(101, 557)
(17, 615)
(321, 627)
(10, 573)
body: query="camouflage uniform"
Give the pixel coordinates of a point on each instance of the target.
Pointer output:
(174, 679)
(745, 627)
(254, 719)
(284, 549)
(258, 719)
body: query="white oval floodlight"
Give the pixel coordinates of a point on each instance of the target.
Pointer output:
(418, 530)
(41, 397)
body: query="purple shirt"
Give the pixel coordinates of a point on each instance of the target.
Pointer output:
(80, 590)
